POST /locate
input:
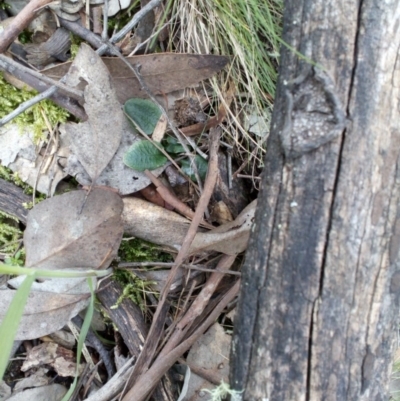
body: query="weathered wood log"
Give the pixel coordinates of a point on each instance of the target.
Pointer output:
(12, 199)
(319, 300)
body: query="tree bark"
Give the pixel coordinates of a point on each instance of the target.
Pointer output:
(319, 300)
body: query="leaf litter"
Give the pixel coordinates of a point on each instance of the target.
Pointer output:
(95, 141)
(60, 234)
(83, 229)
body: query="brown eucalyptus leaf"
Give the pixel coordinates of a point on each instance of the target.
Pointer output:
(62, 360)
(96, 140)
(71, 230)
(44, 312)
(162, 73)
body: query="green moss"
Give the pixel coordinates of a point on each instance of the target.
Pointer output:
(137, 250)
(134, 288)
(31, 119)
(75, 45)
(10, 234)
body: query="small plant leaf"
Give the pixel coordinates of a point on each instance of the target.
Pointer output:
(173, 146)
(144, 113)
(201, 165)
(143, 155)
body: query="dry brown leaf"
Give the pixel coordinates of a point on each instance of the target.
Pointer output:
(63, 232)
(44, 313)
(96, 140)
(61, 359)
(162, 73)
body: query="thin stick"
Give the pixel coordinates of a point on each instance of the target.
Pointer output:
(83, 33)
(104, 35)
(248, 176)
(132, 265)
(197, 307)
(170, 198)
(148, 351)
(20, 22)
(145, 383)
(114, 385)
(12, 67)
(131, 24)
(26, 105)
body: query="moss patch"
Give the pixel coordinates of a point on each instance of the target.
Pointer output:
(32, 119)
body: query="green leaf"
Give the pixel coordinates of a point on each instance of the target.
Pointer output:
(9, 325)
(201, 165)
(143, 155)
(82, 337)
(173, 146)
(144, 113)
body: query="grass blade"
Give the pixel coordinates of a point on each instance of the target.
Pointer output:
(9, 325)
(82, 336)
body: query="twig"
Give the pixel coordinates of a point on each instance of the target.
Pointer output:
(20, 22)
(12, 67)
(87, 35)
(39, 82)
(198, 306)
(248, 176)
(145, 356)
(146, 382)
(196, 148)
(26, 105)
(104, 35)
(113, 386)
(170, 198)
(76, 110)
(128, 265)
(131, 24)
(64, 101)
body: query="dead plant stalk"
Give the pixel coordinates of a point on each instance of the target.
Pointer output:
(149, 348)
(145, 382)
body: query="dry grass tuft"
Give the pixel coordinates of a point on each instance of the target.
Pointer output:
(249, 32)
